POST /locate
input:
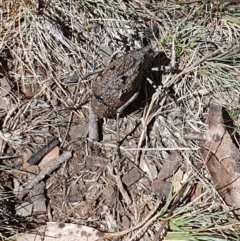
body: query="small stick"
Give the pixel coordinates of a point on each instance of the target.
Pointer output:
(93, 132)
(75, 78)
(119, 111)
(195, 137)
(40, 154)
(46, 171)
(8, 157)
(153, 149)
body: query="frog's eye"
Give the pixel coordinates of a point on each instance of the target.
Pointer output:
(124, 78)
(123, 95)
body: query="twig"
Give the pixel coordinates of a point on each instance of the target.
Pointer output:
(154, 149)
(195, 137)
(8, 157)
(93, 126)
(189, 2)
(48, 170)
(75, 78)
(119, 111)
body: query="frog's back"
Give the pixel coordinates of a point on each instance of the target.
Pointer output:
(116, 84)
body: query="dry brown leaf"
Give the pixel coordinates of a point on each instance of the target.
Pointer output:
(5, 87)
(198, 192)
(222, 158)
(177, 181)
(168, 169)
(61, 232)
(161, 188)
(148, 166)
(125, 222)
(170, 165)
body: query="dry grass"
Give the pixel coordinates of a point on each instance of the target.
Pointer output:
(43, 42)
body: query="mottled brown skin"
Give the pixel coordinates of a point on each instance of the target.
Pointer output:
(117, 83)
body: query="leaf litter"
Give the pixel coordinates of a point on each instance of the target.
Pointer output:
(94, 192)
(221, 157)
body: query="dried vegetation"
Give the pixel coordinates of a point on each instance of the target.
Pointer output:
(43, 43)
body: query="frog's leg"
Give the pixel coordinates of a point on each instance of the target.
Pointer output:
(119, 111)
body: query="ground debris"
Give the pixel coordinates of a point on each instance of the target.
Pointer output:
(41, 153)
(48, 170)
(61, 232)
(222, 158)
(162, 185)
(118, 197)
(131, 177)
(38, 198)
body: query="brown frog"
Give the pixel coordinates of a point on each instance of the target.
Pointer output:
(119, 81)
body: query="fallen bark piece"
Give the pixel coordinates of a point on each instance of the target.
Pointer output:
(61, 232)
(24, 209)
(79, 131)
(131, 177)
(222, 158)
(38, 198)
(49, 158)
